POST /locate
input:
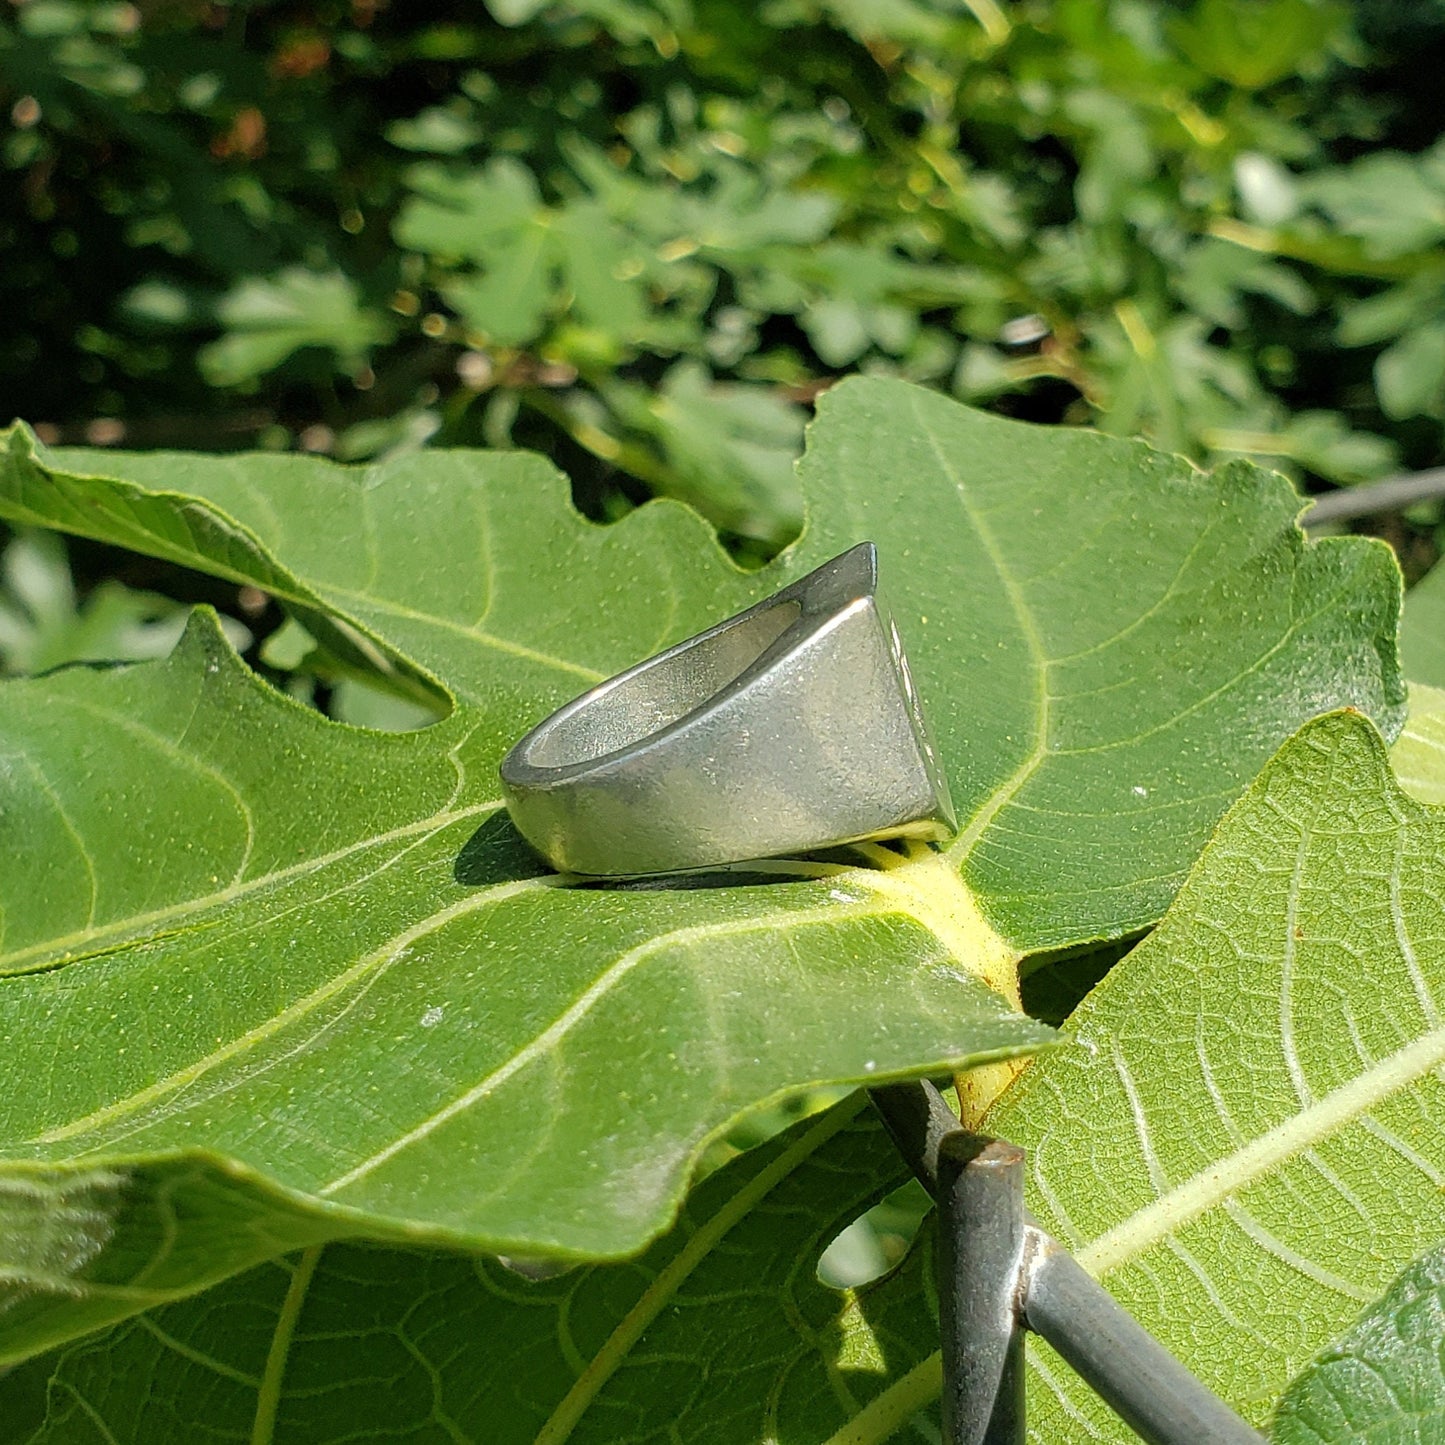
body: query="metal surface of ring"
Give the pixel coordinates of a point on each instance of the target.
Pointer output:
(791, 727)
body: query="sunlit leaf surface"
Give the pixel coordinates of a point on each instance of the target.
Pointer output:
(1383, 1381)
(1241, 1137)
(275, 979)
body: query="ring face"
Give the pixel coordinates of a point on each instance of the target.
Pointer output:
(791, 727)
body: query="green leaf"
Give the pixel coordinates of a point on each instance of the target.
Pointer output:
(627, 19)
(848, 297)
(1086, 731)
(733, 445)
(1244, 1141)
(743, 213)
(515, 12)
(1214, 278)
(838, 329)
(43, 624)
(1323, 442)
(495, 218)
(508, 303)
(438, 130)
(318, 962)
(1383, 1381)
(385, 1041)
(1394, 203)
(1418, 755)
(467, 216)
(599, 1353)
(1390, 312)
(266, 320)
(1410, 375)
(1253, 43)
(1422, 629)
(594, 255)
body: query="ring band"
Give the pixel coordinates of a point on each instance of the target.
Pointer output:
(791, 727)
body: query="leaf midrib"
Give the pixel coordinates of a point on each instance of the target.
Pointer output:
(827, 913)
(962, 846)
(76, 947)
(371, 962)
(630, 1329)
(1245, 1166)
(268, 1397)
(472, 632)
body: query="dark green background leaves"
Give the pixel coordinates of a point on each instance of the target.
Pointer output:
(351, 228)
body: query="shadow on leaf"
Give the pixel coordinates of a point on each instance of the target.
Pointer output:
(496, 853)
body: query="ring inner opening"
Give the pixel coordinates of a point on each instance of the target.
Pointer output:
(661, 694)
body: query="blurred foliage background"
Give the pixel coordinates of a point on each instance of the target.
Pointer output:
(642, 235)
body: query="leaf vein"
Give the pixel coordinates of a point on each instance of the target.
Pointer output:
(268, 1397)
(125, 930)
(963, 844)
(579, 1009)
(385, 954)
(631, 1327)
(1213, 1185)
(1272, 1244)
(370, 602)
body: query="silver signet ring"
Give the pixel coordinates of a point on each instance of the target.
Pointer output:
(791, 727)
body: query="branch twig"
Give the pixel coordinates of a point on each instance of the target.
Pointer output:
(1390, 495)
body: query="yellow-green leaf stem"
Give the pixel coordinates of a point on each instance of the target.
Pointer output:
(926, 885)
